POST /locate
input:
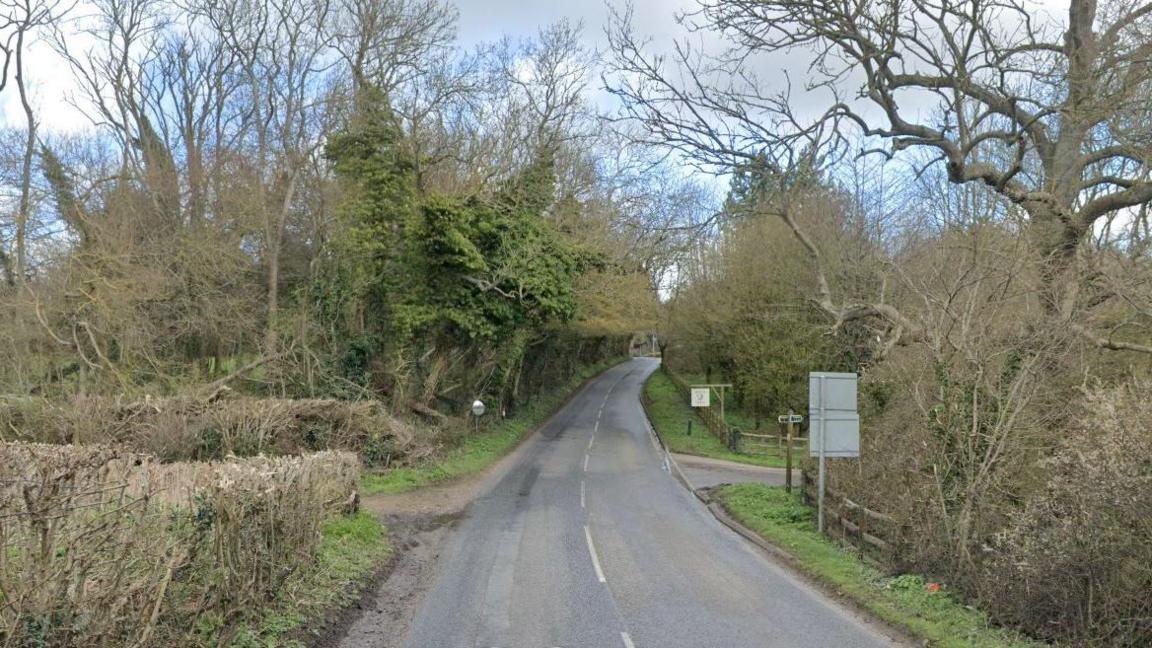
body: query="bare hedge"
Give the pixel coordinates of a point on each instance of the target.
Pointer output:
(1076, 562)
(188, 429)
(106, 547)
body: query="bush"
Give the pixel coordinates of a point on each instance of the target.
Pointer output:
(105, 547)
(186, 429)
(1076, 563)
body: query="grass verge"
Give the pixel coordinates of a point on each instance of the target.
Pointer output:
(351, 549)
(906, 602)
(670, 414)
(478, 451)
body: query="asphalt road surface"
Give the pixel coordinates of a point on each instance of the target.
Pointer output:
(588, 541)
(703, 472)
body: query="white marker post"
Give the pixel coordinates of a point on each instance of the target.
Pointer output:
(835, 430)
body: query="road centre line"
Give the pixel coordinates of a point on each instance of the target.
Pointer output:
(595, 558)
(585, 462)
(582, 493)
(627, 640)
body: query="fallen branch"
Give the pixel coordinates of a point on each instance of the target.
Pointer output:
(218, 387)
(1108, 343)
(426, 411)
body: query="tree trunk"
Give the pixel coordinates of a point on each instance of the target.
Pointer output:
(25, 206)
(275, 236)
(1055, 240)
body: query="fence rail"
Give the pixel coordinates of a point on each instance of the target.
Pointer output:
(770, 443)
(869, 531)
(717, 427)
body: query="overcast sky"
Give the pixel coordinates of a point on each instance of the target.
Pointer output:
(485, 20)
(480, 21)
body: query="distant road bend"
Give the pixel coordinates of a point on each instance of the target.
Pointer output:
(588, 541)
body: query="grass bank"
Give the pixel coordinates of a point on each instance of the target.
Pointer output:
(478, 451)
(351, 550)
(670, 414)
(906, 602)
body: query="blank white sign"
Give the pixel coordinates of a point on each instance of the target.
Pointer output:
(840, 423)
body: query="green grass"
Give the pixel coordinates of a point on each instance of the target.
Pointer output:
(351, 549)
(903, 601)
(670, 414)
(478, 450)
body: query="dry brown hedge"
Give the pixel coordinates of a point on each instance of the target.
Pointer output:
(106, 547)
(189, 429)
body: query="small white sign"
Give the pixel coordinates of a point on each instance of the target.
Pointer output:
(793, 418)
(701, 397)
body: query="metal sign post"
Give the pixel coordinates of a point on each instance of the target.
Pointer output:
(823, 438)
(835, 429)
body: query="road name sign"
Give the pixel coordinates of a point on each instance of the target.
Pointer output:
(701, 397)
(790, 418)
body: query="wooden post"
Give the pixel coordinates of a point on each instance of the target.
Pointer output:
(724, 421)
(788, 457)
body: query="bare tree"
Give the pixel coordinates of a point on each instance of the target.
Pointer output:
(281, 52)
(1054, 119)
(22, 19)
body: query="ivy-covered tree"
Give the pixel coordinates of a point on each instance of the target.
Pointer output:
(488, 265)
(421, 275)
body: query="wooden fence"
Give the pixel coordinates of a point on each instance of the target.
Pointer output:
(711, 419)
(869, 531)
(769, 443)
(732, 436)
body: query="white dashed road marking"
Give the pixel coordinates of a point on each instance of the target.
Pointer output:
(595, 558)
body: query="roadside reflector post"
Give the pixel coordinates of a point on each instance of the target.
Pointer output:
(478, 409)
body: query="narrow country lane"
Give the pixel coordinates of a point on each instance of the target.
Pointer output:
(588, 541)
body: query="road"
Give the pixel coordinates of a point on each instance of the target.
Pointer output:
(703, 472)
(588, 541)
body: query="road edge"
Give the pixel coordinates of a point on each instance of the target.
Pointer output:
(778, 554)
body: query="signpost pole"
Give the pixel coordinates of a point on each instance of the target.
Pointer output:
(788, 457)
(820, 479)
(724, 421)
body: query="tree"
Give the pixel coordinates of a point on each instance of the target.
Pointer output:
(1056, 121)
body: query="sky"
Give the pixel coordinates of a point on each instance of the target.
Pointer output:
(480, 21)
(486, 20)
